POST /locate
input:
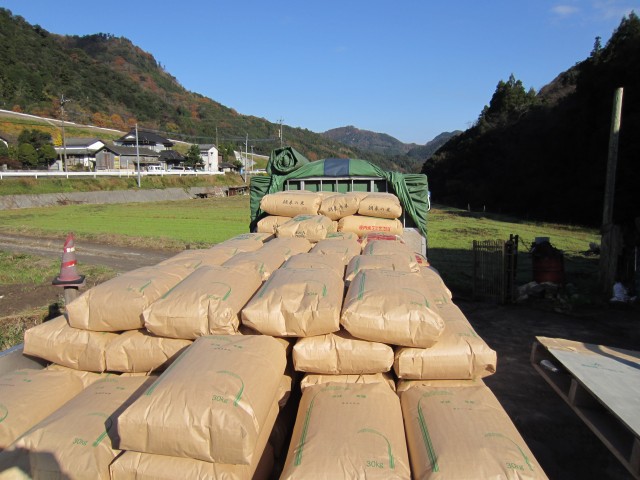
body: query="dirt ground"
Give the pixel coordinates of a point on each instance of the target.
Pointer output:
(563, 445)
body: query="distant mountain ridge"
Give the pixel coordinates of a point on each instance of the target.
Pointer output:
(368, 141)
(382, 143)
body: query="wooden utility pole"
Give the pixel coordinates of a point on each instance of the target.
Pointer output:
(611, 242)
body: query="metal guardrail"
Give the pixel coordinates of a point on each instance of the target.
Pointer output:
(101, 173)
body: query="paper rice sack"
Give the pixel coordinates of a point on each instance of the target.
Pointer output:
(117, 304)
(260, 262)
(391, 307)
(447, 424)
(361, 225)
(138, 351)
(205, 303)
(269, 223)
(312, 227)
(287, 246)
(459, 354)
(333, 262)
(337, 206)
(29, 395)
(380, 205)
(78, 440)
(75, 348)
(146, 466)
(212, 403)
(394, 262)
(296, 303)
(317, 379)
(347, 248)
(348, 431)
(291, 203)
(341, 354)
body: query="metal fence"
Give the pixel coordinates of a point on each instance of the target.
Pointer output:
(494, 269)
(101, 173)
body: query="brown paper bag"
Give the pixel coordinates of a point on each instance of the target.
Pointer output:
(391, 307)
(78, 440)
(341, 235)
(347, 248)
(333, 262)
(341, 354)
(312, 227)
(195, 258)
(138, 351)
(404, 385)
(245, 242)
(394, 262)
(348, 431)
(291, 203)
(434, 281)
(296, 303)
(287, 246)
(117, 304)
(30, 395)
(463, 432)
(261, 262)
(385, 247)
(360, 225)
(460, 353)
(268, 224)
(340, 205)
(205, 303)
(380, 205)
(146, 466)
(75, 348)
(211, 404)
(317, 379)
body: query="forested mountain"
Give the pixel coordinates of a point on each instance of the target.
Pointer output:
(113, 83)
(369, 141)
(544, 155)
(425, 151)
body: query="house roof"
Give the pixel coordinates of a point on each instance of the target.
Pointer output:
(171, 156)
(227, 165)
(131, 151)
(145, 138)
(206, 146)
(81, 142)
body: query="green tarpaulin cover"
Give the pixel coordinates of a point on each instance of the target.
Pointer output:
(285, 160)
(411, 189)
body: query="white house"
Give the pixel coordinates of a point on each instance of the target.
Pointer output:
(79, 151)
(209, 156)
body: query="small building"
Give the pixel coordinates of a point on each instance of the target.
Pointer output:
(79, 152)
(171, 159)
(227, 167)
(146, 139)
(209, 155)
(115, 157)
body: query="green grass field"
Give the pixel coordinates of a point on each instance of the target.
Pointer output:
(204, 222)
(173, 225)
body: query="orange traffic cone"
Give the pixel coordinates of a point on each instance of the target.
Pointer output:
(68, 275)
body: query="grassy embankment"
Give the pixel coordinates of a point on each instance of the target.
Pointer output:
(33, 186)
(201, 223)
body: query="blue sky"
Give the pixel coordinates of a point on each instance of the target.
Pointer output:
(409, 68)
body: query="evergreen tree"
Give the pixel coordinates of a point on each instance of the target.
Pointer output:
(27, 155)
(193, 156)
(46, 154)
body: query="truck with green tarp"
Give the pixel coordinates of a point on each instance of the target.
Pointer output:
(288, 169)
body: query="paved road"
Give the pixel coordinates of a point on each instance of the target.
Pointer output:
(121, 259)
